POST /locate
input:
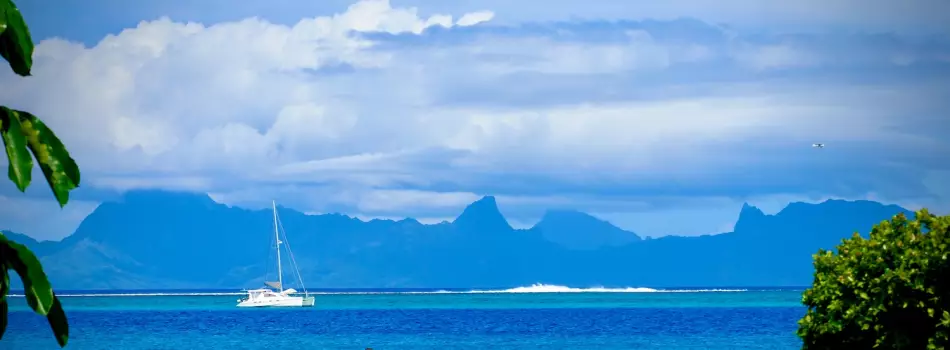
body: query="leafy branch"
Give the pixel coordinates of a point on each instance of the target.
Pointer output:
(26, 137)
(37, 289)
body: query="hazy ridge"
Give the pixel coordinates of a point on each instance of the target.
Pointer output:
(167, 240)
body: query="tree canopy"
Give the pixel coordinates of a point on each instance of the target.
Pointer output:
(890, 291)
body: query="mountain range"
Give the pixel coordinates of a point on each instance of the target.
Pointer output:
(172, 240)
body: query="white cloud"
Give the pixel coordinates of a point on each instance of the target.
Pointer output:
(367, 112)
(881, 15)
(473, 18)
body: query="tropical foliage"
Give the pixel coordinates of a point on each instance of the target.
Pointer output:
(890, 291)
(26, 137)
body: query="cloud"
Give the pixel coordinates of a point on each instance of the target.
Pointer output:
(883, 15)
(473, 18)
(384, 111)
(100, 17)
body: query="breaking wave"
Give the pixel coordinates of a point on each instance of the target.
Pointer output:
(548, 288)
(534, 288)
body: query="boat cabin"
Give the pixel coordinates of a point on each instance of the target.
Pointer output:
(261, 293)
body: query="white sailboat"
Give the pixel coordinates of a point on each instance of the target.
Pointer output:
(277, 297)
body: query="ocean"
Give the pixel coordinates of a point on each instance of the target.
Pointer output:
(532, 317)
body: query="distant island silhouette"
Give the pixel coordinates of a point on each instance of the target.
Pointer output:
(172, 240)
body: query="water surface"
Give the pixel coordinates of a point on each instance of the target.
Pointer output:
(537, 317)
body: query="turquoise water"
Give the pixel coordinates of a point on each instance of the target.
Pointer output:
(533, 317)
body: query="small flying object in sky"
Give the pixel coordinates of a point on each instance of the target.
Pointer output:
(818, 145)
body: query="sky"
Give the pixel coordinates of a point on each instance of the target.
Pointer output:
(661, 117)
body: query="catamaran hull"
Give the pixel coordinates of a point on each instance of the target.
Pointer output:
(283, 302)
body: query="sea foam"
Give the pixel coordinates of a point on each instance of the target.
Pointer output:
(534, 288)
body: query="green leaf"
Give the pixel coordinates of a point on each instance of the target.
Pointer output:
(3, 316)
(21, 163)
(58, 167)
(16, 46)
(4, 281)
(57, 321)
(38, 291)
(4, 289)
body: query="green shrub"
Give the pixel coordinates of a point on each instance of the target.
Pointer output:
(891, 291)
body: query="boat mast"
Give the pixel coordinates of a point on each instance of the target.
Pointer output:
(280, 274)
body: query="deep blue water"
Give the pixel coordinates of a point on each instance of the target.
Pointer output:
(634, 319)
